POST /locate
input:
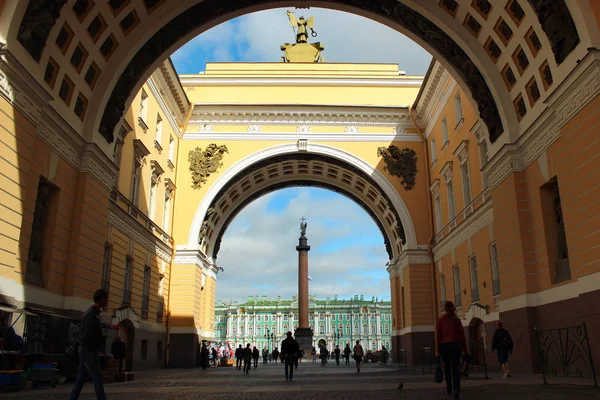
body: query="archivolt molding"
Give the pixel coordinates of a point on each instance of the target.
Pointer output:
(385, 186)
(131, 228)
(481, 218)
(575, 92)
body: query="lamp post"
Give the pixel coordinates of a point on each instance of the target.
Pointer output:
(337, 335)
(270, 336)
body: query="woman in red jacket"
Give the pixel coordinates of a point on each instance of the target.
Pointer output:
(450, 343)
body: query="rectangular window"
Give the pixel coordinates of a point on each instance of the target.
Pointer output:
(144, 350)
(457, 296)
(443, 290)
(433, 150)
(144, 105)
(495, 271)
(146, 292)
(474, 279)
(438, 214)
(159, 129)
(167, 213)
(322, 329)
(45, 206)
(135, 182)
(106, 266)
(159, 350)
(444, 131)
(171, 149)
(466, 180)
(556, 236)
(483, 159)
(117, 153)
(458, 108)
(451, 206)
(152, 198)
(127, 281)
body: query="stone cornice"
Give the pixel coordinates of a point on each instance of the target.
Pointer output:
(97, 164)
(338, 116)
(121, 220)
(475, 222)
(197, 258)
(205, 80)
(406, 258)
(298, 136)
(177, 94)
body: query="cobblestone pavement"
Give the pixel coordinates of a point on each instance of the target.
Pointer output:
(311, 381)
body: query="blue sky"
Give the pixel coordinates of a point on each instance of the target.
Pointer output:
(257, 38)
(258, 251)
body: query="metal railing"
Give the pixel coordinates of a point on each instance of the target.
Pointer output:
(564, 351)
(463, 215)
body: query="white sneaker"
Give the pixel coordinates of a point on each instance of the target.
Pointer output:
(504, 376)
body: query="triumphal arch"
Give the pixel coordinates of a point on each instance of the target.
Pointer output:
(117, 172)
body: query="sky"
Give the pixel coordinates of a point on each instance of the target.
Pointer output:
(259, 257)
(258, 250)
(258, 36)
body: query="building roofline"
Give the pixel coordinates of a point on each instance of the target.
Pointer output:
(425, 79)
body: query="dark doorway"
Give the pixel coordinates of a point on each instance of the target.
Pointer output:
(127, 335)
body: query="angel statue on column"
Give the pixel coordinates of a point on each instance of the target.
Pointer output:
(302, 24)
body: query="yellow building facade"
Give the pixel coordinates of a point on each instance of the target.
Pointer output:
(117, 173)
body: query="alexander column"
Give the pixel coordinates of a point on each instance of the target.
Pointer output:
(303, 333)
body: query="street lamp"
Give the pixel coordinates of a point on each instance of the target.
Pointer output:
(337, 335)
(270, 336)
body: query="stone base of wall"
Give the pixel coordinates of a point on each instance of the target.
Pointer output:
(413, 343)
(184, 350)
(561, 314)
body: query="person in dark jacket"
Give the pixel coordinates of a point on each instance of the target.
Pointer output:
(337, 352)
(275, 355)
(450, 343)
(255, 356)
(90, 345)
(503, 343)
(118, 351)
(289, 352)
(204, 356)
(239, 356)
(347, 352)
(247, 358)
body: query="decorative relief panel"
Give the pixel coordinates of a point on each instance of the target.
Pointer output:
(400, 163)
(203, 163)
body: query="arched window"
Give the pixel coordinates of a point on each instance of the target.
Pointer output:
(347, 329)
(373, 329)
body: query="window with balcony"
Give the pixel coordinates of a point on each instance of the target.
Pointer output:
(444, 132)
(146, 292)
(127, 281)
(442, 290)
(466, 181)
(457, 296)
(451, 205)
(495, 270)
(158, 135)
(474, 279)
(458, 109)
(433, 151)
(106, 266)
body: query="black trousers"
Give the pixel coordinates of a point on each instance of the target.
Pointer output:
(347, 360)
(255, 362)
(289, 366)
(247, 365)
(337, 359)
(120, 364)
(238, 363)
(450, 353)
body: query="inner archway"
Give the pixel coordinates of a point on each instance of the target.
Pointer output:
(285, 166)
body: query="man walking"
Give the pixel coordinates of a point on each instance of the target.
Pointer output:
(337, 355)
(239, 355)
(347, 352)
(289, 352)
(90, 344)
(118, 351)
(275, 355)
(247, 358)
(503, 344)
(255, 356)
(265, 354)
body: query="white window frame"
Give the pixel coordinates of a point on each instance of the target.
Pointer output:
(466, 183)
(456, 278)
(474, 276)
(495, 268)
(159, 130)
(433, 150)
(171, 149)
(438, 213)
(444, 133)
(483, 160)
(458, 109)
(443, 288)
(451, 203)
(144, 105)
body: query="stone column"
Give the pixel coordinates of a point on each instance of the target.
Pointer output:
(303, 333)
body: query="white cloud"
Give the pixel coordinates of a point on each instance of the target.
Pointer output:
(258, 36)
(259, 254)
